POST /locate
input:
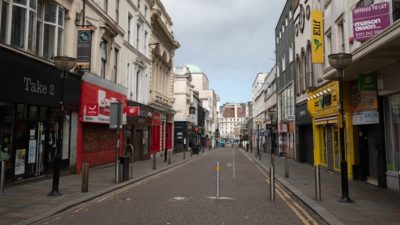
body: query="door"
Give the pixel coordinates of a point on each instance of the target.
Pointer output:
(36, 148)
(138, 144)
(329, 146)
(146, 150)
(336, 148)
(364, 153)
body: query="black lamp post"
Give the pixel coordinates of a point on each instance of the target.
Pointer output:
(340, 61)
(65, 64)
(271, 114)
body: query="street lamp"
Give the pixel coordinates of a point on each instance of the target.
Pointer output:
(64, 64)
(340, 61)
(271, 114)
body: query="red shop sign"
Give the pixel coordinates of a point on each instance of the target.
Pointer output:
(131, 110)
(96, 102)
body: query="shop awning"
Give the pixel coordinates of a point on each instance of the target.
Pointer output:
(378, 52)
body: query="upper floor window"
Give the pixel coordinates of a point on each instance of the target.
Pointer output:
(341, 36)
(117, 10)
(138, 5)
(363, 3)
(115, 69)
(137, 35)
(105, 6)
(396, 9)
(130, 28)
(33, 25)
(103, 61)
(145, 11)
(146, 34)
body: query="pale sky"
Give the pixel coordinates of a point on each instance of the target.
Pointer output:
(230, 40)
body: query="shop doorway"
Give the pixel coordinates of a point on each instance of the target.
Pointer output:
(306, 144)
(369, 144)
(329, 146)
(142, 144)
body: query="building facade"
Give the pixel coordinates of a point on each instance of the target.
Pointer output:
(370, 79)
(233, 115)
(161, 93)
(285, 49)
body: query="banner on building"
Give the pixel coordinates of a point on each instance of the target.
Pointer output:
(96, 102)
(317, 36)
(370, 20)
(84, 49)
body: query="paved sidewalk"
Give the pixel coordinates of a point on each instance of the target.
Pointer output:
(372, 205)
(26, 203)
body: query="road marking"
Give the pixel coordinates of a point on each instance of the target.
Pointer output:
(55, 219)
(300, 212)
(234, 167)
(221, 198)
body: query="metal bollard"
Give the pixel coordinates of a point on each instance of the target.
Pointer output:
(154, 161)
(318, 183)
(184, 153)
(169, 157)
(286, 167)
(2, 176)
(272, 183)
(191, 152)
(85, 177)
(217, 168)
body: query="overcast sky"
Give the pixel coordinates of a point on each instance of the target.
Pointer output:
(230, 40)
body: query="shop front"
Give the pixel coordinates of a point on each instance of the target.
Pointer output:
(367, 117)
(96, 141)
(323, 106)
(138, 132)
(304, 131)
(30, 99)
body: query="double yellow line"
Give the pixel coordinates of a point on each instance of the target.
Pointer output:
(300, 212)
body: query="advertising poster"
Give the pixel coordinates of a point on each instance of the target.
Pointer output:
(370, 20)
(20, 155)
(32, 151)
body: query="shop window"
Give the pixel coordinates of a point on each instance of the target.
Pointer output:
(393, 126)
(33, 112)
(3, 18)
(34, 25)
(396, 10)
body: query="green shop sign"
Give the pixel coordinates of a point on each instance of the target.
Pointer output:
(368, 82)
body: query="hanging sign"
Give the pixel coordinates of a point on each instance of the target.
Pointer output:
(317, 36)
(131, 110)
(368, 82)
(84, 49)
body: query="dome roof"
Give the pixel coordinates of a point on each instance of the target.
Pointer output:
(193, 68)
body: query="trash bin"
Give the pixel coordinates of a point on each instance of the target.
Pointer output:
(124, 168)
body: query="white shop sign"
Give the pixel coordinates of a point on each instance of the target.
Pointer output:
(367, 117)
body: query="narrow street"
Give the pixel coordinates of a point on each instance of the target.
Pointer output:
(186, 195)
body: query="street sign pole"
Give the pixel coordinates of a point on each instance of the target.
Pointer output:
(116, 123)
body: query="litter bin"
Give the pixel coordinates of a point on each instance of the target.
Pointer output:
(124, 168)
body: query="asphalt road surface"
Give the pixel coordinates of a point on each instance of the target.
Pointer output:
(186, 195)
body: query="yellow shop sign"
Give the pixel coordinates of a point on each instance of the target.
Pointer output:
(317, 36)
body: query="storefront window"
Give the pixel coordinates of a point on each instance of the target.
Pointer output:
(393, 125)
(6, 131)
